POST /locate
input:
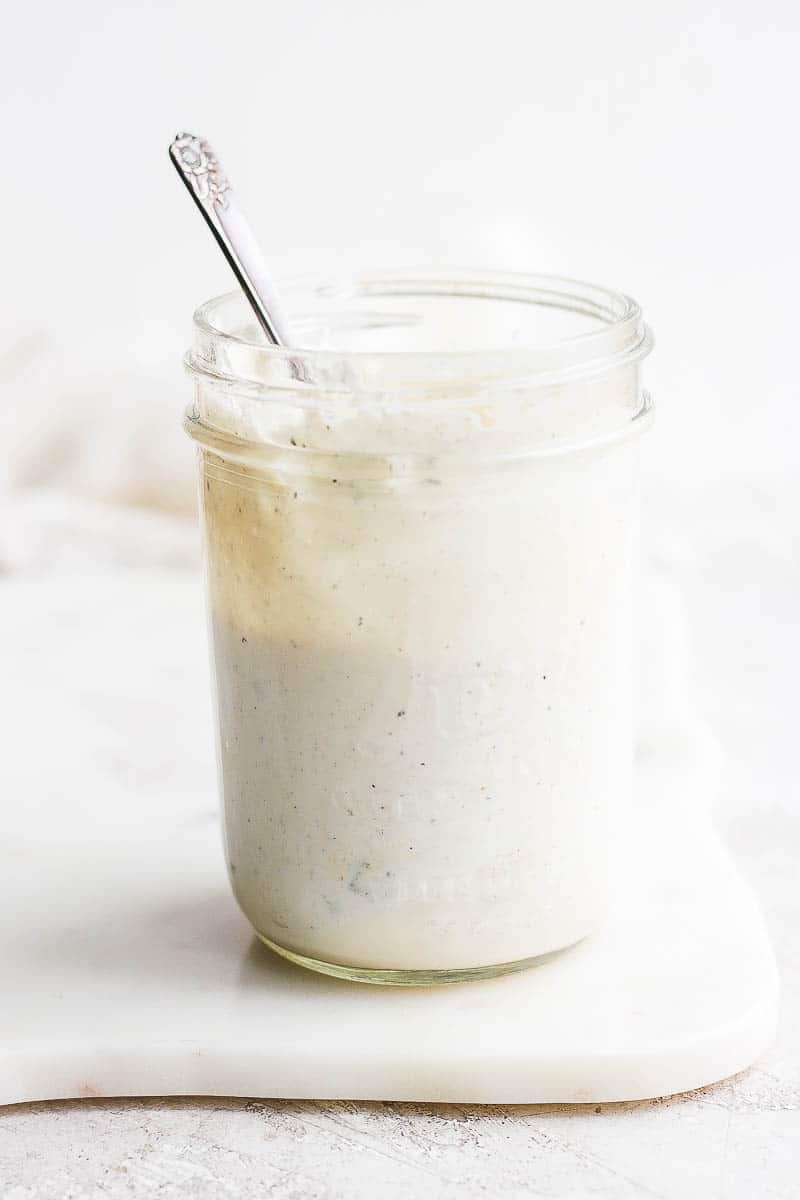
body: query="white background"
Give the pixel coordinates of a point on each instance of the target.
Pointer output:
(650, 146)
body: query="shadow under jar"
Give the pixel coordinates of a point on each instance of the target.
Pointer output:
(420, 532)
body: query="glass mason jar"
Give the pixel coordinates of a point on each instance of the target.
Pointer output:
(420, 545)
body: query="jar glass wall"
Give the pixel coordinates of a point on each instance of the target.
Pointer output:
(420, 546)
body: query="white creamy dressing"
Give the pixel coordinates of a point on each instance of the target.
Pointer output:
(423, 669)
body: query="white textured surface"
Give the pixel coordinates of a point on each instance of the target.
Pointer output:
(732, 550)
(735, 1140)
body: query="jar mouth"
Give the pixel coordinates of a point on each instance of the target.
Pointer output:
(389, 331)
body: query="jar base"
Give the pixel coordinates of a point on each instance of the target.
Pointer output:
(390, 977)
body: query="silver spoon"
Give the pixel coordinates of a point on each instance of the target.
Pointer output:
(207, 184)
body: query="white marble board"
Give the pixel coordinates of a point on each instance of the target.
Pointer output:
(126, 968)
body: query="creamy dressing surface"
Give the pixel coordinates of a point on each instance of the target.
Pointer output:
(423, 674)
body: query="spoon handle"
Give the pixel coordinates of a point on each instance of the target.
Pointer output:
(207, 184)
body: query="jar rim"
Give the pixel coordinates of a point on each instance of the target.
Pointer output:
(240, 354)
